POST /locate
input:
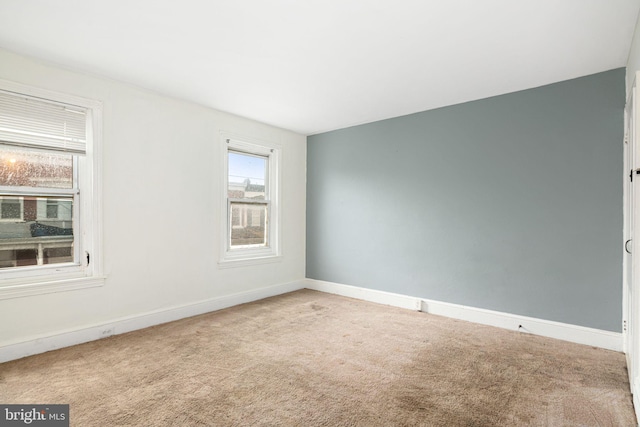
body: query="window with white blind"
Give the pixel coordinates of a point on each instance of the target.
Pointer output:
(251, 183)
(49, 190)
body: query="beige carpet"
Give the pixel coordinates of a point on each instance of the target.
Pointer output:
(314, 359)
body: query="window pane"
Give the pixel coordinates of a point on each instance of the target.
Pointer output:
(247, 176)
(10, 208)
(19, 167)
(52, 210)
(32, 236)
(57, 255)
(248, 224)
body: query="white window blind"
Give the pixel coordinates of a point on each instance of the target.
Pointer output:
(33, 122)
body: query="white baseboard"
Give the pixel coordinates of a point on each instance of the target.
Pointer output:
(131, 323)
(371, 295)
(545, 328)
(563, 331)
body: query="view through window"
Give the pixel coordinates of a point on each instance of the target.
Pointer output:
(248, 200)
(36, 207)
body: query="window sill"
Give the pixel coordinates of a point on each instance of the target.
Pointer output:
(244, 262)
(48, 285)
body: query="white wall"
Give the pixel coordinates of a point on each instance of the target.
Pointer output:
(161, 194)
(633, 63)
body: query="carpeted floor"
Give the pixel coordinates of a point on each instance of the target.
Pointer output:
(314, 359)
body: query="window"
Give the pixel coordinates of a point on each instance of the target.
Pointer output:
(60, 209)
(251, 202)
(248, 200)
(49, 191)
(52, 209)
(11, 208)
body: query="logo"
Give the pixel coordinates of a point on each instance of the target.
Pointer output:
(34, 415)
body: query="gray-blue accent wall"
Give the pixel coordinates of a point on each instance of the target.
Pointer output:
(511, 203)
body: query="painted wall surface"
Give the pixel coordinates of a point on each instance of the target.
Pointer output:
(511, 203)
(162, 207)
(633, 62)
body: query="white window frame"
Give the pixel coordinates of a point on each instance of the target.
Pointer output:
(250, 254)
(88, 272)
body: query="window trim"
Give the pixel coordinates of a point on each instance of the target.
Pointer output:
(61, 277)
(250, 255)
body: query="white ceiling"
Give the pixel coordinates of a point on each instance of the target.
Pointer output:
(317, 65)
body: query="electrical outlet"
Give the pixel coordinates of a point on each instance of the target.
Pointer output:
(107, 332)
